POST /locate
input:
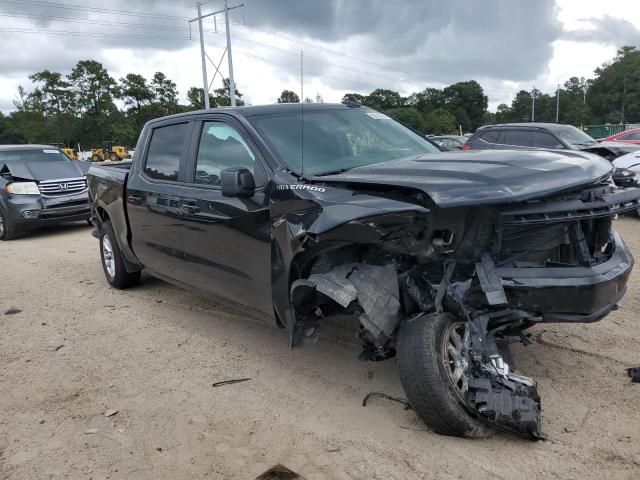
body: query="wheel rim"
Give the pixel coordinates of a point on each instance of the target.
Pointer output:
(455, 359)
(107, 255)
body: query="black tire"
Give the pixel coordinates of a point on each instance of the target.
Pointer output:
(7, 230)
(114, 157)
(112, 262)
(96, 158)
(426, 380)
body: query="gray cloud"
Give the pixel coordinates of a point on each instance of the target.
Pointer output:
(607, 30)
(443, 41)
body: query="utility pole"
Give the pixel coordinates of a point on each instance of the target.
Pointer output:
(558, 105)
(203, 54)
(205, 83)
(533, 104)
(232, 83)
(624, 98)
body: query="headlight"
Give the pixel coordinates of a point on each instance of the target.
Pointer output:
(23, 188)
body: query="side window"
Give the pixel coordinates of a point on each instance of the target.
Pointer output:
(520, 138)
(165, 150)
(631, 136)
(545, 140)
(491, 136)
(221, 146)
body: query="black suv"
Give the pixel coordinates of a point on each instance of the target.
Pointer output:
(548, 136)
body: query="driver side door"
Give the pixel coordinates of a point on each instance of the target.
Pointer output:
(228, 239)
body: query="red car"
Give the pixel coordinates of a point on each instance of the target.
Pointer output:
(628, 136)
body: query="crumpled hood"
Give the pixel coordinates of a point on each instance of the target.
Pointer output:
(39, 171)
(483, 177)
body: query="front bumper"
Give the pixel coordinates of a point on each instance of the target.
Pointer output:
(27, 211)
(571, 294)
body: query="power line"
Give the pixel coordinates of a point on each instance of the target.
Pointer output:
(85, 8)
(90, 34)
(92, 22)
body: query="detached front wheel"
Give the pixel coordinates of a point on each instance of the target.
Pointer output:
(112, 261)
(432, 362)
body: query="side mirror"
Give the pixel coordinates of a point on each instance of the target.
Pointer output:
(237, 182)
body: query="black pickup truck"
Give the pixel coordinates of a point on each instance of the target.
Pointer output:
(441, 259)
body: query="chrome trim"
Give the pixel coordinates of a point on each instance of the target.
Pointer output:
(86, 189)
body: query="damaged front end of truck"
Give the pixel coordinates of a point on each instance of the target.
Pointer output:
(453, 286)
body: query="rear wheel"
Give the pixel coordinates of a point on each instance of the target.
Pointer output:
(432, 362)
(112, 261)
(114, 157)
(96, 158)
(7, 231)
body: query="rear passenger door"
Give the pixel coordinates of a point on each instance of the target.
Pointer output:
(517, 138)
(153, 199)
(546, 140)
(228, 239)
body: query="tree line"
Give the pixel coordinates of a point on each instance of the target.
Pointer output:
(82, 106)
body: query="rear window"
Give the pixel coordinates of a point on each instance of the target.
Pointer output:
(520, 138)
(36, 155)
(545, 140)
(491, 136)
(165, 150)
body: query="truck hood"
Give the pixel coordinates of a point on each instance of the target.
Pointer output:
(457, 179)
(39, 171)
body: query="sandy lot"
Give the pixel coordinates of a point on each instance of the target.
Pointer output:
(78, 349)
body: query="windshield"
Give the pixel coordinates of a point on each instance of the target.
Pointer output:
(338, 140)
(574, 137)
(40, 155)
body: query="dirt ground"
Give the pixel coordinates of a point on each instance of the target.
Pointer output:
(78, 349)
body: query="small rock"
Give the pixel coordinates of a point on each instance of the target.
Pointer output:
(43, 323)
(159, 449)
(110, 413)
(41, 422)
(54, 347)
(91, 431)
(12, 311)
(569, 430)
(333, 448)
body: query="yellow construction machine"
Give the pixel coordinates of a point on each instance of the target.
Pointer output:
(109, 151)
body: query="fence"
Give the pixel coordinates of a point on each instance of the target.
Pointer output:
(602, 131)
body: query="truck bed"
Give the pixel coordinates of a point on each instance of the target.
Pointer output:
(107, 189)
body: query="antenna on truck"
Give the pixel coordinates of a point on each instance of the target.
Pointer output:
(301, 113)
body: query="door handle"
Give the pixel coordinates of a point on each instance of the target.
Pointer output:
(189, 209)
(134, 199)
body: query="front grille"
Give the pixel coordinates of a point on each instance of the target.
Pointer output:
(62, 187)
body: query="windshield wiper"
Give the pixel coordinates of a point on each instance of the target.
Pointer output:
(334, 172)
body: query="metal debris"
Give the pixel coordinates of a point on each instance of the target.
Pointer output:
(230, 382)
(386, 397)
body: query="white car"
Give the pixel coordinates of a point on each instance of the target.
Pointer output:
(630, 161)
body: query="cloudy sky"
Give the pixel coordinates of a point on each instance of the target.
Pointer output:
(348, 45)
